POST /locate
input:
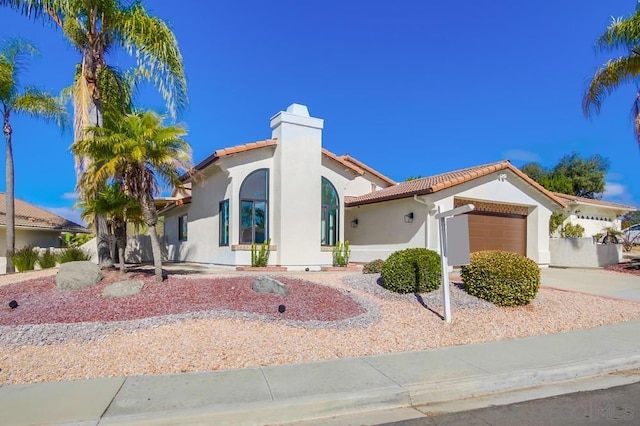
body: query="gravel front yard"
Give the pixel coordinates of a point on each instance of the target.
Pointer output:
(364, 319)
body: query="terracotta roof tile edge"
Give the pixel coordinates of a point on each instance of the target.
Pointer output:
(603, 203)
(230, 150)
(374, 172)
(356, 169)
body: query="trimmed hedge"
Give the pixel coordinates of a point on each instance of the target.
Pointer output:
(373, 267)
(413, 270)
(503, 278)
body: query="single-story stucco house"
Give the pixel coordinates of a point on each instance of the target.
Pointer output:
(593, 215)
(290, 190)
(35, 226)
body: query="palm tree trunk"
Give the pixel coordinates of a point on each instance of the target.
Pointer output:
(120, 234)
(9, 197)
(150, 215)
(102, 238)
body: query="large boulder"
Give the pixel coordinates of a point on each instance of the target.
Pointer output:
(266, 284)
(123, 288)
(77, 275)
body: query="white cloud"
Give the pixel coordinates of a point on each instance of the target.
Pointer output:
(69, 196)
(67, 213)
(521, 155)
(613, 189)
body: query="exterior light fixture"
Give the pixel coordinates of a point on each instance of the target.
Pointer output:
(408, 218)
(354, 223)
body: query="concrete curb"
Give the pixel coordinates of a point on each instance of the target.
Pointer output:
(423, 394)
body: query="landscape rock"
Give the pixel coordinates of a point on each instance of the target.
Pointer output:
(265, 284)
(123, 288)
(77, 275)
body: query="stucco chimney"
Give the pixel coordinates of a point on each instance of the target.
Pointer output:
(297, 185)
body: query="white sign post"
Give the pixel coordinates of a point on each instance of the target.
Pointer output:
(444, 252)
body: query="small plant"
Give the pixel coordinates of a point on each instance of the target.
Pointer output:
(628, 242)
(341, 254)
(47, 259)
(260, 258)
(555, 221)
(597, 237)
(413, 270)
(611, 235)
(570, 230)
(25, 259)
(72, 254)
(373, 267)
(500, 277)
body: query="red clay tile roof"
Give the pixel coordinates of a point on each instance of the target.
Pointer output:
(376, 173)
(234, 150)
(436, 183)
(29, 216)
(576, 199)
(356, 169)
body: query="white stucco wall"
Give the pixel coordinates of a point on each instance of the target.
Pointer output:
(27, 237)
(602, 218)
(583, 253)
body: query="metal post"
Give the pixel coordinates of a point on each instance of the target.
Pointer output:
(446, 301)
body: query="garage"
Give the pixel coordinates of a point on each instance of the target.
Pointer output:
(489, 231)
(494, 226)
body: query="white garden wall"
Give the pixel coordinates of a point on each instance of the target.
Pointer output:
(583, 253)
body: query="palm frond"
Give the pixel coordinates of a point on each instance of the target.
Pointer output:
(607, 79)
(43, 105)
(621, 33)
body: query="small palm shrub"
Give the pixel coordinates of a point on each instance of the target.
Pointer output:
(571, 230)
(260, 258)
(413, 270)
(341, 254)
(73, 254)
(503, 278)
(373, 267)
(25, 259)
(47, 259)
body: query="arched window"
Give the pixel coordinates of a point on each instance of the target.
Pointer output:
(329, 217)
(254, 208)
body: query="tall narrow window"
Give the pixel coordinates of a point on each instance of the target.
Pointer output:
(224, 223)
(329, 215)
(182, 227)
(254, 208)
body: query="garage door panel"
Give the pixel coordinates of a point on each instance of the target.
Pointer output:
(498, 232)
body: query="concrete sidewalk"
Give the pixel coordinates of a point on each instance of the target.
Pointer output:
(593, 281)
(286, 393)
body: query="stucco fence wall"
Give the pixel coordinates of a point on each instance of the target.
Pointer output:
(583, 253)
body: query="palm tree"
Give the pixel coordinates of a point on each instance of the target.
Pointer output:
(141, 153)
(28, 100)
(621, 33)
(119, 209)
(95, 27)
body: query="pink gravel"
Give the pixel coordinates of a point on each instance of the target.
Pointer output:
(623, 268)
(41, 302)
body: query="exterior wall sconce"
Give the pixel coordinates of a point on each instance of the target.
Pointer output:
(408, 218)
(354, 223)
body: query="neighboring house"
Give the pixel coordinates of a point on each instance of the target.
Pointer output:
(303, 198)
(34, 227)
(593, 215)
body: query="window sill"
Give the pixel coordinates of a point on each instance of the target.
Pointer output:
(247, 247)
(327, 248)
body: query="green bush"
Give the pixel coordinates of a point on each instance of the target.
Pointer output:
(506, 279)
(373, 267)
(47, 259)
(25, 259)
(572, 231)
(73, 254)
(414, 270)
(341, 254)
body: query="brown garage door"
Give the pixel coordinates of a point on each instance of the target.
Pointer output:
(489, 231)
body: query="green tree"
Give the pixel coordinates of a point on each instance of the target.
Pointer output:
(622, 33)
(142, 154)
(574, 175)
(16, 99)
(118, 208)
(94, 28)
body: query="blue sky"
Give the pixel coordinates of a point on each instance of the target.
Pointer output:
(408, 87)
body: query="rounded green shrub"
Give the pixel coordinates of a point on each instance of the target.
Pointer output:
(503, 278)
(373, 267)
(413, 270)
